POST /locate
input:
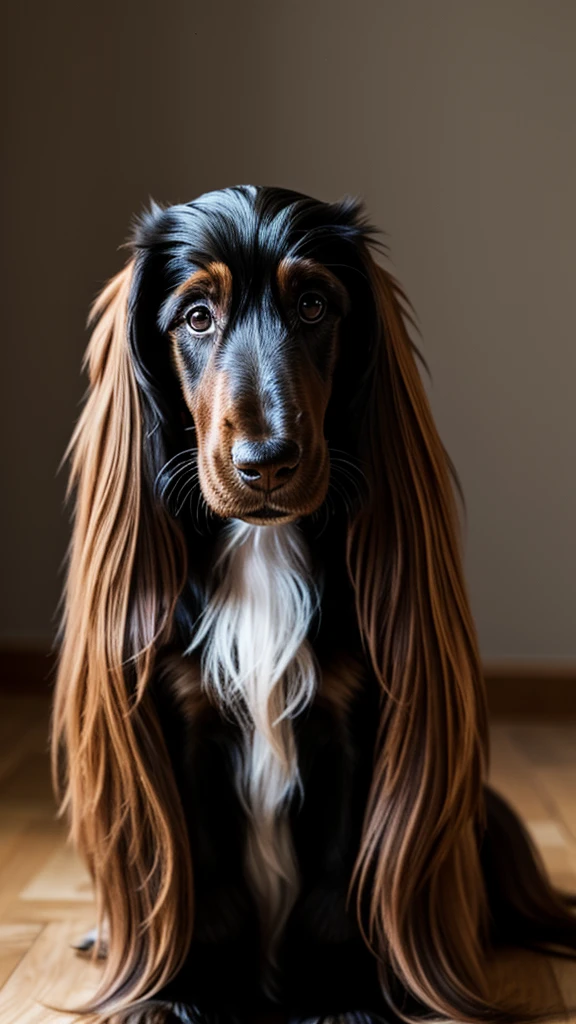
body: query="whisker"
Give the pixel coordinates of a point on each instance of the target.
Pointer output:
(187, 486)
(188, 453)
(168, 487)
(153, 430)
(346, 476)
(327, 509)
(347, 457)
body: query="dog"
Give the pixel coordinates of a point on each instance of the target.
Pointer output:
(270, 731)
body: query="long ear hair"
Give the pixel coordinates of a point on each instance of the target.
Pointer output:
(111, 766)
(421, 898)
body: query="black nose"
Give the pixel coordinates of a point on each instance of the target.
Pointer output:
(265, 465)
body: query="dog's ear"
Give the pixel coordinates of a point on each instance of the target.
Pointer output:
(125, 571)
(420, 891)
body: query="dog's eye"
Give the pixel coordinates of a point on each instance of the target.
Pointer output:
(200, 319)
(311, 307)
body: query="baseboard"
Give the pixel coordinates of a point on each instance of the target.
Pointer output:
(514, 688)
(25, 670)
(531, 688)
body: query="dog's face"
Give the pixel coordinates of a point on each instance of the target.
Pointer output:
(255, 363)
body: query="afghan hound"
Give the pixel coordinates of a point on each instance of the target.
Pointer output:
(270, 730)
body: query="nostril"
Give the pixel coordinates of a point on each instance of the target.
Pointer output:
(265, 463)
(285, 471)
(248, 472)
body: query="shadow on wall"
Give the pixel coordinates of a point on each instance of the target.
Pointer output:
(434, 113)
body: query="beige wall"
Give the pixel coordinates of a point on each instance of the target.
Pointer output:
(455, 121)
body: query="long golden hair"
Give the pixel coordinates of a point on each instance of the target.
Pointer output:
(418, 871)
(126, 568)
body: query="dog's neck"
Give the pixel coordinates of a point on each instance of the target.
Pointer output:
(258, 664)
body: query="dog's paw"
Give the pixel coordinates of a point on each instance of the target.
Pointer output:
(145, 1013)
(156, 1011)
(160, 1012)
(86, 943)
(186, 1014)
(349, 1017)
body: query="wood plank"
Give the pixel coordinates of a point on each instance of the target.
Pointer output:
(15, 940)
(44, 911)
(63, 877)
(517, 775)
(50, 973)
(512, 775)
(545, 744)
(559, 783)
(565, 972)
(36, 844)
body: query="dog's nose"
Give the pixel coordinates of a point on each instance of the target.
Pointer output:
(265, 465)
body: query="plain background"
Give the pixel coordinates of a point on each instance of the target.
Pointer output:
(455, 122)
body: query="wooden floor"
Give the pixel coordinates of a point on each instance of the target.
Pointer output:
(45, 897)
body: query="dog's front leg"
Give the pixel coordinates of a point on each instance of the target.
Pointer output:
(332, 976)
(221, 972)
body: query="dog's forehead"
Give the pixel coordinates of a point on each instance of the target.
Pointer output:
(249, 239)
(254, 224)
(251, 231)
(265, 238)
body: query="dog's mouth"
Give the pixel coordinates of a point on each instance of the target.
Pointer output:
(266, 514)
(230, 498)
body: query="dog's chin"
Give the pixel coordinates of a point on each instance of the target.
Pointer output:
(266, 514)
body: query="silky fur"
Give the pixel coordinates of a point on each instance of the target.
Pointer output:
(258, 664)
(423, 904)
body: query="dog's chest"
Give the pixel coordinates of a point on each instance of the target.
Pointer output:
(258, 664)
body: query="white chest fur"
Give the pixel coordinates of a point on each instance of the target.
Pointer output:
(257, 662)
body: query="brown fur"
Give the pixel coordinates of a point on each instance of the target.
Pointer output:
(126, 570)
(340, 681)
(419, 858)
(293, 273)
(215, 281)
(182, 676)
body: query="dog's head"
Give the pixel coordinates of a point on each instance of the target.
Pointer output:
(255, 364)
(243, 303)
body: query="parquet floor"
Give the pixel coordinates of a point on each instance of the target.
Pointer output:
(45, 897)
